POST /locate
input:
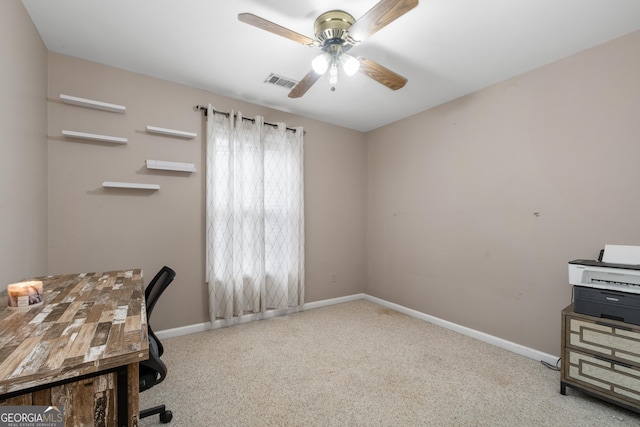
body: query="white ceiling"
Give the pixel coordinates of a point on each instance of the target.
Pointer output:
(445, 48)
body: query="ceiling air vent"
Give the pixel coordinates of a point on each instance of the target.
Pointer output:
(277, 80)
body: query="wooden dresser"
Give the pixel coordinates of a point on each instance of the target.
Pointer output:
(80, 349)
(601, 357)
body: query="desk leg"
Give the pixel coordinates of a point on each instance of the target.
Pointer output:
(132, 394)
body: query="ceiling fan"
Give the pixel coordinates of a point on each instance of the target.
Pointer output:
(336, 32)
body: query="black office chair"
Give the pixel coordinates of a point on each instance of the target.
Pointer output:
(153, 370)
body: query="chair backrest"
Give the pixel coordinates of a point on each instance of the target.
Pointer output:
(153, 370)
(156, 287)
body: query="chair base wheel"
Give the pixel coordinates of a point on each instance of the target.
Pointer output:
(166, 417)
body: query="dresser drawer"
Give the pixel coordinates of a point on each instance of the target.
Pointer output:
(607, 339)
(614, 379)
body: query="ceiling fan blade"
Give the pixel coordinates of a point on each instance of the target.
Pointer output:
(381, 74)
(380, 15)
(263, 24)
(304, 85)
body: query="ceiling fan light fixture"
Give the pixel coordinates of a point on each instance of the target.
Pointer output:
(333, 73)
(350, 65)
(320, 63)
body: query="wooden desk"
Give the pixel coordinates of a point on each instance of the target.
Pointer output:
(80, 349)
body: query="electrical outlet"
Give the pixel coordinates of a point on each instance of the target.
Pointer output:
(334, 278)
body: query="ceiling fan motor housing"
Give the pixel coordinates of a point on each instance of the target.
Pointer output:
(331, 28)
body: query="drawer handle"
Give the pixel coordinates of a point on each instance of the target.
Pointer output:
(624, 328)
(604, 359)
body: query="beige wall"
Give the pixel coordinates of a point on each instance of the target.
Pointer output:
(475, 207)
(23, 147)
(95, 229)
(472, 208)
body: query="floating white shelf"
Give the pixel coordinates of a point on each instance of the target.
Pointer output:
(171, 166)
(133, 185)
(172, 132)
(90, 103)
(94, 136)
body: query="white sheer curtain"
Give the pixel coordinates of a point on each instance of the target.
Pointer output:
(255, 216)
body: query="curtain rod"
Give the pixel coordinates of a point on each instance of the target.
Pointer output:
(226, 113)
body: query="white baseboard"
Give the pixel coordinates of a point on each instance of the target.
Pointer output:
(222, 323)
(183, 330)
(493, 340)
(333, 301)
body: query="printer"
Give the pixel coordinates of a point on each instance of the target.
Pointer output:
(609, 287)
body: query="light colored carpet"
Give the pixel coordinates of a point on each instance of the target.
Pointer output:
(361, 364)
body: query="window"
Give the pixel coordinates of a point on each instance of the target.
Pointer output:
(255, 216)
